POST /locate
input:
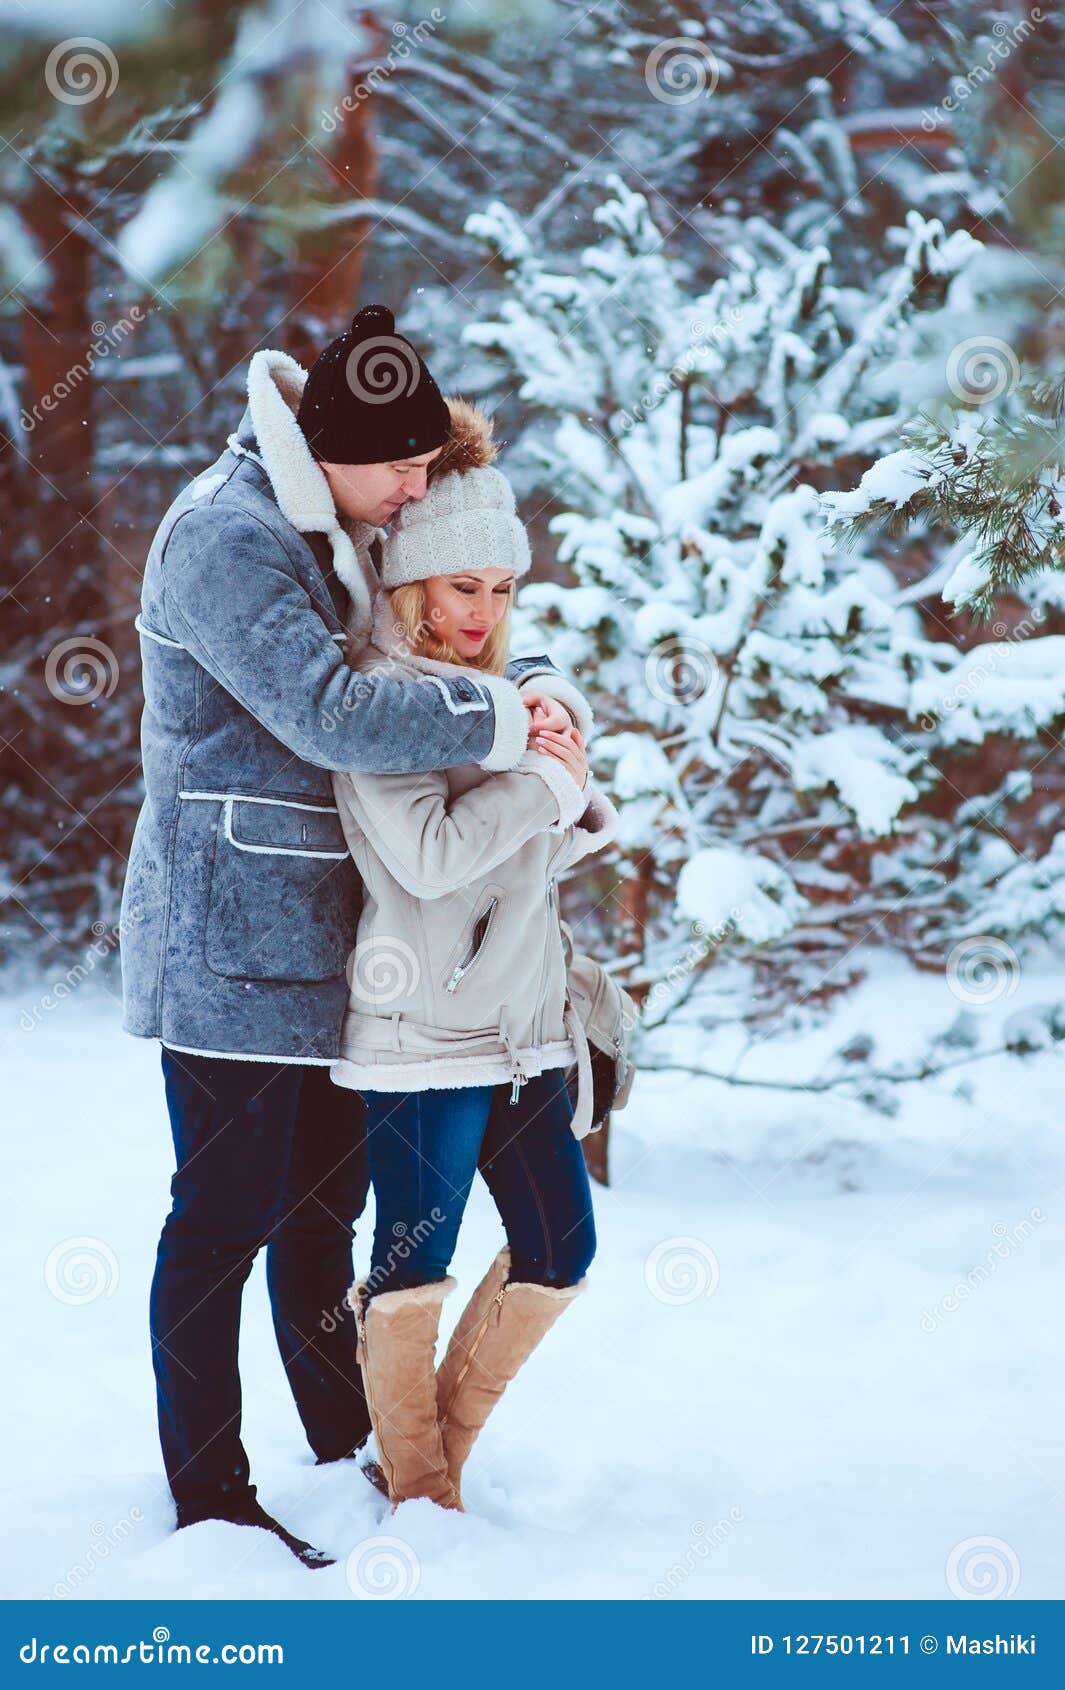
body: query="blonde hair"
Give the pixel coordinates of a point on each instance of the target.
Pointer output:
(407, 608)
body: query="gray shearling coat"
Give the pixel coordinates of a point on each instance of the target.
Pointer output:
(241, 899)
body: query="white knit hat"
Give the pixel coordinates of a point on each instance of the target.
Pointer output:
(467, 520)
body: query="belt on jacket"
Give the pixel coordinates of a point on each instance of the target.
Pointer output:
(581, 1124)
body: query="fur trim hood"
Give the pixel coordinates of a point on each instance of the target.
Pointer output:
(470, 445)
(275, 383)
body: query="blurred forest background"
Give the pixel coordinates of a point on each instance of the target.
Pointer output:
(767, 301)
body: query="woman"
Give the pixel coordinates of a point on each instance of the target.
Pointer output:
(458, 1029)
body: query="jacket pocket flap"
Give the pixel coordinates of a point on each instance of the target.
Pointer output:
(254, 825)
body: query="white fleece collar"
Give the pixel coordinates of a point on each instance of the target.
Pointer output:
(275, 383)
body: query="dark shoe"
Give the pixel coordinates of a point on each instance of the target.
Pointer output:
(372, 1471)
(348, 1455)
(255, 1515)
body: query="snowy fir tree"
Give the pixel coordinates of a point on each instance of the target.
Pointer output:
(984, 459)
(799, 766)
(199, 180)
(766, 303)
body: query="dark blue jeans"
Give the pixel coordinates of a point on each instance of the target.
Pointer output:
(267, 1154)
(425, 1148)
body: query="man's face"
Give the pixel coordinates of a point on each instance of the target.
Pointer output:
(374, 492)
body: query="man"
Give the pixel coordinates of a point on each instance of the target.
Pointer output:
(241, 900)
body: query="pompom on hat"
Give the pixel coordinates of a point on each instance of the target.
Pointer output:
(468, 518)
(369, 397)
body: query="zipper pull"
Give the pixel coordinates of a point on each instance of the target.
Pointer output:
(518, 1079)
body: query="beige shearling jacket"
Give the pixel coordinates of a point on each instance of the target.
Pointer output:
(458, 972)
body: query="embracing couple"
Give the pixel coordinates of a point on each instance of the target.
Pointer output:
(341, 922)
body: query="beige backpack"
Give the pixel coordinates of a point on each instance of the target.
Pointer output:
(608, 1015)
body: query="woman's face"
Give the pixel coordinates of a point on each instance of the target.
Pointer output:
(463, 609)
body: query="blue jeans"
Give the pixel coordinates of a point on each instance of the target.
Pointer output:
(267, 1154)
(426, 1146)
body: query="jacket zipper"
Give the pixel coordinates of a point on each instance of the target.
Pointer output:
(496, 1309)
(360, 1322)
(476, 945)
(547, 952)
(552, 885)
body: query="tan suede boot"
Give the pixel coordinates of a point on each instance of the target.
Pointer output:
(497, 1331)
(397, 1333)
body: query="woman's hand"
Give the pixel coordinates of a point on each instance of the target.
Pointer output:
(567, 746)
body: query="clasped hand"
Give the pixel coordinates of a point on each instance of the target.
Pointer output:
(552, 732)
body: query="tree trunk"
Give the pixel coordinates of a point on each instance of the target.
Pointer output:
(326, 271)
(56, 335)
(58, 766)
(632, 897)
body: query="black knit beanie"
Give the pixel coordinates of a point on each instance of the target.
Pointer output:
(370, 398)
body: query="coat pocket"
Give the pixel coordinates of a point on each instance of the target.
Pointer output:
(284, 893)
(474, 941)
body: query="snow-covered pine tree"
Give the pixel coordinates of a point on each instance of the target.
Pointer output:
(978, 473)
(144, 140)
(985, 456)
(779, 725)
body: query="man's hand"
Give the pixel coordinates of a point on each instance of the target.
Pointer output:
(544, 712)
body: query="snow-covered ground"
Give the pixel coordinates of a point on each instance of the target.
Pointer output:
(766, 1392)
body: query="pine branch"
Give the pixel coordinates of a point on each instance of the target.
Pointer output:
(924, 1071)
